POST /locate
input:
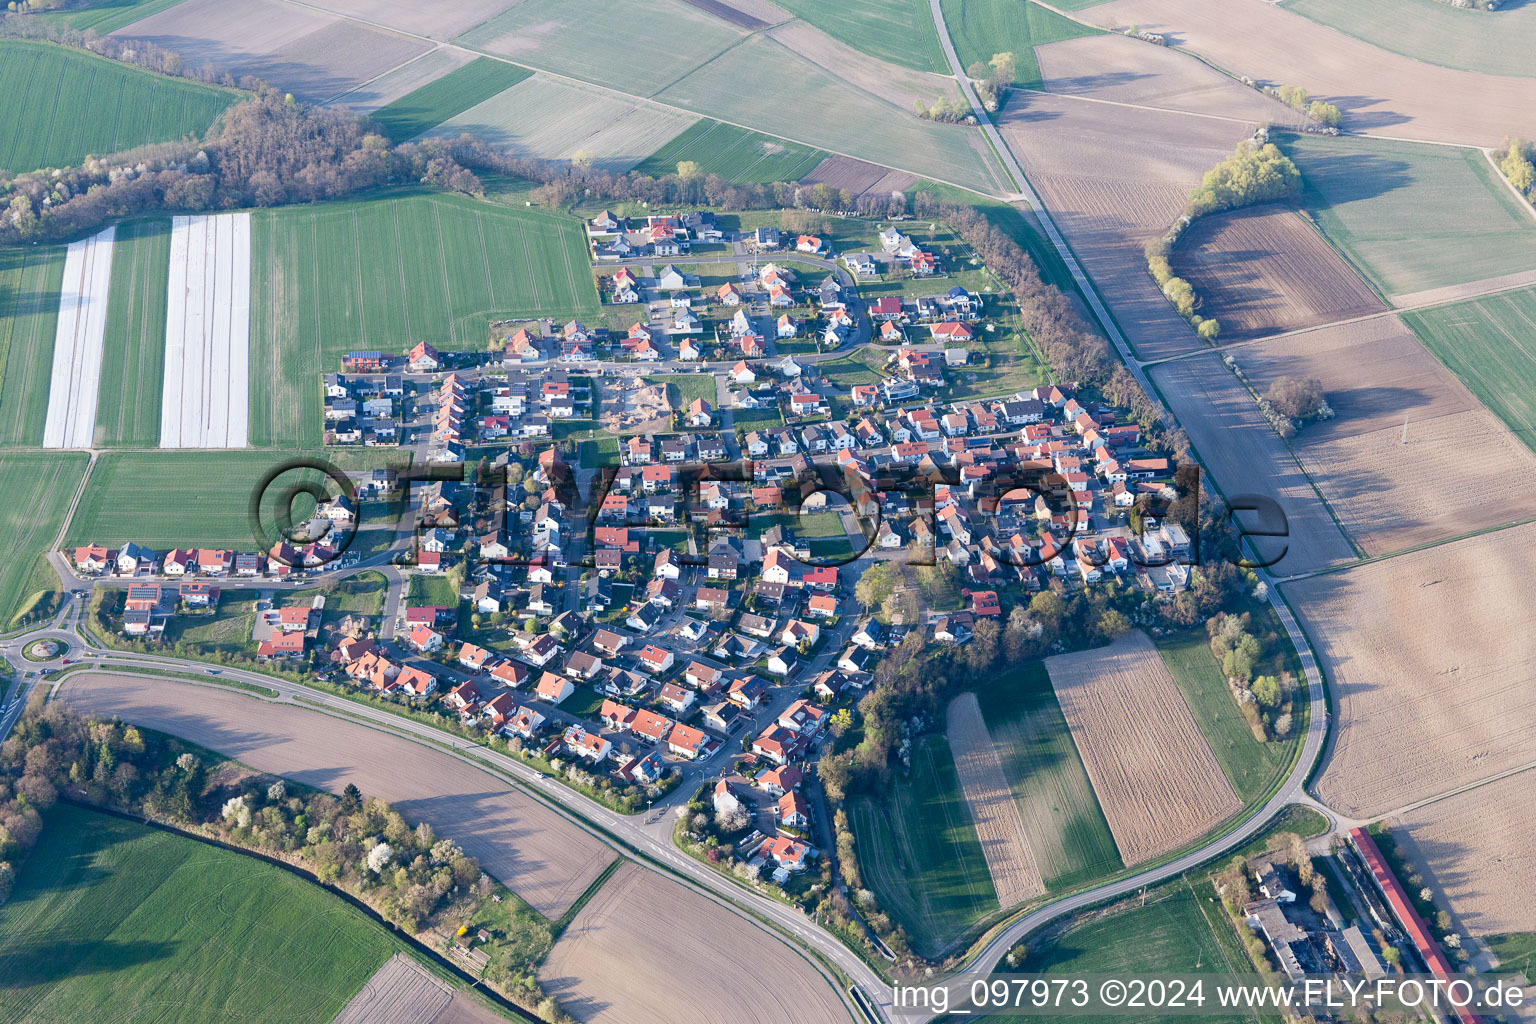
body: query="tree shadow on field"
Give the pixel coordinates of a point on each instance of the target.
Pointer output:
(1093, 82)
(38, 965)
(1344, 177)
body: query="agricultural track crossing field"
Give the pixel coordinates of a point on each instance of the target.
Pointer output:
(174, 928)
(133, 351)
(453, 93)
(899, 31)
(205, 401)
(1153, 771)
(1004, 841)
(79, 329)
(57, 105)
(1428, 661)
(535, 852)
(736, 154)
(1062, 818)
(386, 274)
(1414, 218)
(610, 968)
(31, 280)
(981, 29)
(919, 853)
(1491, 345)
(1498, 43)
(38, 489)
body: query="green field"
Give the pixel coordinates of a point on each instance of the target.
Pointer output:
(387, 273)
(38, 489)
(683, 388)
(133, 351)
(1516, 952)
(1252, 766)
(115, 921)
(1180, 930)
(57, 105)
(919, 853)
(1497, 43)
(109, 15)
(736, 154)
(432, 590)
(226, 632)
(454, 93)
(1490, 344)
(900, 31)
(1414, 217)
(981, 28)
(30, 280)
(127, 497)
(1067, 831)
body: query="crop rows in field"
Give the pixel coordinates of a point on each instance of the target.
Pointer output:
(80, 328)
(1005, 841)
(38, 489)
(386, 274)
(899, 31)
(133, 352)
(736, 154)
(455, 92)
(58, 105)
(982, 28)
(30, 282)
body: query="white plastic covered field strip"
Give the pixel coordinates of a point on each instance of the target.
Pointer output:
(77, 342)
(206, 399)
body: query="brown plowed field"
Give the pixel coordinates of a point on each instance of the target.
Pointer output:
(1114, 178)
(999, 826)
(1460, 469)
(1125, 70)
(1152, 769)
(542, 857)
(646, 950)
(1476, 849)
(400, 992)
(1379, 92)
(845, 172)
(1429, 657)
(1265, 269)
(1247, 457)
(309, 53)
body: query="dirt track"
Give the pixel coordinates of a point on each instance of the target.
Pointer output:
(1152, 769)
(645, 950)
(539, 855)
(999, 825)
(1429, 657)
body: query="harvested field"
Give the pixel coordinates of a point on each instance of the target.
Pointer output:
(1379, 92)
(1429, 659)
(206, 398)
(435, 21)
(1414, 218)
(736, 154)
(900, 32)
(404, 80)
(610, 968)
(1114, 178)
(1478, 854)
(538, 854)
(30, 282)
(400, 992)
(1246, 457)
(767, 86)
(1154, 773)
(748, 14)
(999, 826)
(558, 120)
(890, 82)
(1436, 33)
(82, 323)
(133, 351)
(300, 50)
(858, 177)
(981, 28)
(1106, 66)
(1391, 494)
(1265, 269)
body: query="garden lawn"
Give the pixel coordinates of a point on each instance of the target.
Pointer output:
(1252, 765)
(454, 93)
(900, 31)
(918, 851)
(57, 105)
(1490, 344)
(30, 282)
(1414, 217)
(982, 28)
(683, 389)
(1070, 838)
(133, 350)
(427, 589)
(38, 488)
(227, 631)
(111, 916)
(389, 272)
(738, 155)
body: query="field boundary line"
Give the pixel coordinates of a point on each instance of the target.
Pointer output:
(1498, 173)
